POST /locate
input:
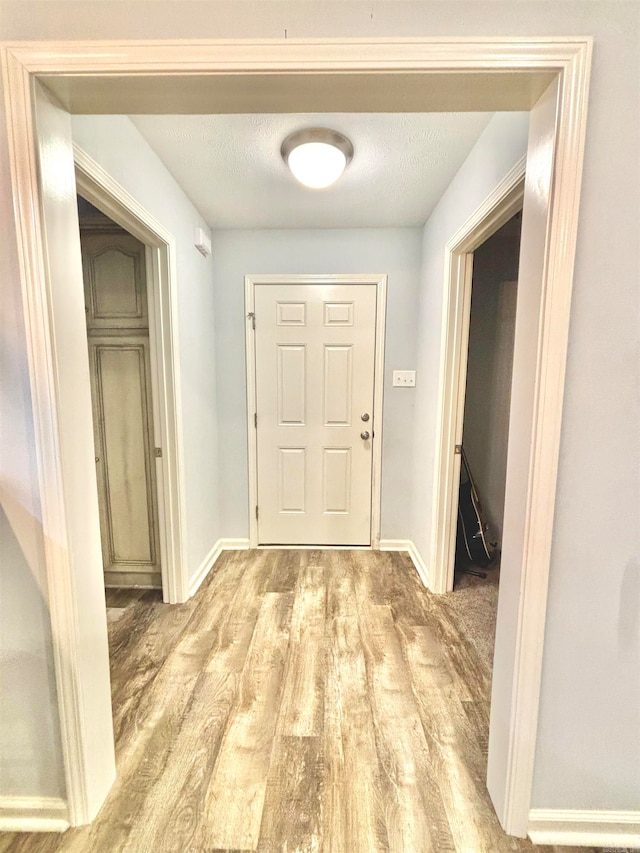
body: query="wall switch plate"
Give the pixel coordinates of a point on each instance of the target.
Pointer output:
(404, 379)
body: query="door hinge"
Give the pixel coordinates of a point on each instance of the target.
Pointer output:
(457, 450)
(255, 420)
(256, 513)
(157, 452)
(251, 315)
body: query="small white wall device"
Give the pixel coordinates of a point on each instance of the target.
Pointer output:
(404, 378)
(201, 242)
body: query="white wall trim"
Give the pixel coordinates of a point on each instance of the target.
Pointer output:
(421, 566)
(62, 592)
(101, 190)
(411, 549)
(395, 544)
(33, 814)
(380, 282)
(209, 561)
(204, 568)
(499, 206)
(234, 544)
(426, 64)
(578, 828)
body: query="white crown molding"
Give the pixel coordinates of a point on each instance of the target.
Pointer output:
(582, 828)
(92, 174)
(211, 55)
(33, 814)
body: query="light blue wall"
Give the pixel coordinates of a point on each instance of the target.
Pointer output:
(395, 252)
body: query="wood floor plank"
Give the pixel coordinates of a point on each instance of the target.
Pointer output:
(168, 822)
(292, 815)
(33, 842)
(302, 705)
(145, 758)
(414, 811)
(459, 765)
(284, 567)
(236, 794)
(185, 656)
(339, 577)
(354, 801)
(125, 597)
(309, 701)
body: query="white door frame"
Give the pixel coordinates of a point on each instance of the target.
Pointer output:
(102, 191)
(380, 281)
(496, 209)
(483, 73)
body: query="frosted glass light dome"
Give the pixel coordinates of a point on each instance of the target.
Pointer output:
(317, 156)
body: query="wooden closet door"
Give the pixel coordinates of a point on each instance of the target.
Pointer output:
(119, 357)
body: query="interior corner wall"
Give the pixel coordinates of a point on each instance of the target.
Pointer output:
(395, 252)
(31, 763)
(124, 154)
(500, 146)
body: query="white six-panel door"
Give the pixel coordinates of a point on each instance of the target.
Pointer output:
(315, 347)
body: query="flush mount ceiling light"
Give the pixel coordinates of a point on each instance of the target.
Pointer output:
(317, 156)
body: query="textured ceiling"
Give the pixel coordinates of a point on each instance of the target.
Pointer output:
(230, 166)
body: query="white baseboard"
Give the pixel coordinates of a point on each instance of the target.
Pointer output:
(207, 564)
(395, 544)
(408, 546)
(581, 828)
(234, 544)
(33, 814)
(421, 566)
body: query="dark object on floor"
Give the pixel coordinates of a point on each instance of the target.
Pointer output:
(474, 572)
(472, 540)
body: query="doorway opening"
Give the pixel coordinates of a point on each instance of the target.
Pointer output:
(502, 204)
(548, 77)
(111, 202)
(118, 338)
(485, 434)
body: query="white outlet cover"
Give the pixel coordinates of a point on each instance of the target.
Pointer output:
(404, 379)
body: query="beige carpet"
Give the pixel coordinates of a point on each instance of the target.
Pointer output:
(475, 601)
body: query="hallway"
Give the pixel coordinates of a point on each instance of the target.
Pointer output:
(301, 701)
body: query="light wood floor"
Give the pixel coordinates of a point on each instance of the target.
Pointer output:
(301, 701)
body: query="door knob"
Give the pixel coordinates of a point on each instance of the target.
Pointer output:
(364, 435)
(364, 417)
